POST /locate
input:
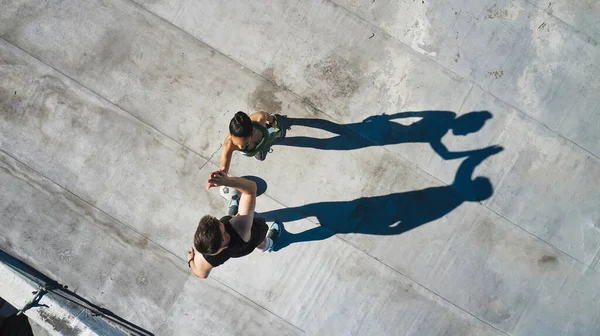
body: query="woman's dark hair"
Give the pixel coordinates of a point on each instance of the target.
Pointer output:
(240, 125)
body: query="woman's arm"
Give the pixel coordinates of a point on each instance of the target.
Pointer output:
(226, 154)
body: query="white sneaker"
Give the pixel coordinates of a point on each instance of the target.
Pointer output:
(274, 233)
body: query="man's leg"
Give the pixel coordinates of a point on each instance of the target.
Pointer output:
(232, 207)
(233, 196)
(261, 246)
(270, 240)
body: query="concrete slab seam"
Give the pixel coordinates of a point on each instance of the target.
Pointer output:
(94, 93)
(413, 165)
(421, 285)
(428, 58)
(407, 47)
(544, 9)
(395, 270)
(470, 82)
(319, 111)
(86, 202)
(150, 240)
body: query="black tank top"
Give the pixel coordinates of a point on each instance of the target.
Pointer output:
(237, 246)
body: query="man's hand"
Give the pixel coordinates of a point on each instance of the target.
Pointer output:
(217, 178)
(190, 255)
(200, 267)
(247, 201)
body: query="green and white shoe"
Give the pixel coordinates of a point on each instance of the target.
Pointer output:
(279, 130)
(232, 195)
(274, 234)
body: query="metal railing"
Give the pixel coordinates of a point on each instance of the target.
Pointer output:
(47, 285)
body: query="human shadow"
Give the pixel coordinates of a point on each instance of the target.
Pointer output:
(261, 185)
(380, 130)
(389, 214)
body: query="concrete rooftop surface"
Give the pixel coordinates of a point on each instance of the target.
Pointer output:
(441, 173)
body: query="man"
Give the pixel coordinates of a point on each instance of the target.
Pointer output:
(217, 240)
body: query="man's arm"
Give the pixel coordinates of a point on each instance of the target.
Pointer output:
(444, 153)
(200, 267)
(465, 171)
(242, 222)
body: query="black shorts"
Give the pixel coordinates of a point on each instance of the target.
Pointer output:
(258, 234)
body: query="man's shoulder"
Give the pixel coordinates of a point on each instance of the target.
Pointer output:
(216, 259)
(237, 222)
(240, 224)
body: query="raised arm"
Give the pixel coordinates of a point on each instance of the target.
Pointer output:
(467, 167)
(422, 114)
(242, 222)
(445, 154)
(226, 153)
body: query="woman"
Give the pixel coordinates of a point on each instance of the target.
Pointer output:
(250, 135)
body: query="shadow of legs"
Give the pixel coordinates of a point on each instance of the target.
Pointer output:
(314, 234)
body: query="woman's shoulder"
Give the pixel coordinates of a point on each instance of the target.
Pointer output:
(228, 143)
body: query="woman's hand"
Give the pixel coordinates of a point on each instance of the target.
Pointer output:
(218, 178)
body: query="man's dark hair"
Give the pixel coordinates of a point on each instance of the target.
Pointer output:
(240, 125)
(208, 236)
